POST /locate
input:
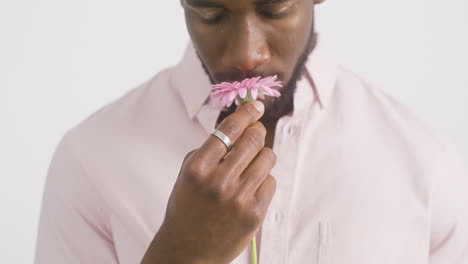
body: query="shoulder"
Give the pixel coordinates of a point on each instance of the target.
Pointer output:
(128, 112)
(386, 111)
(377, 119)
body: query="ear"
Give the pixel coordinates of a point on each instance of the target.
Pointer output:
(318, 1)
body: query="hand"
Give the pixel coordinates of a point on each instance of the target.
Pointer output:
(220, 199)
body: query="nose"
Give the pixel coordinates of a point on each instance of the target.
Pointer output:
(247, 47)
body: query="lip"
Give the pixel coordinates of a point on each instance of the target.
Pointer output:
(228, 77)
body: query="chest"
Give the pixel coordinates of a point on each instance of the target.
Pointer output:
(330, 206)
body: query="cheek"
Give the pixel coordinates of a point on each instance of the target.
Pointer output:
(206, 40)
(290, 36)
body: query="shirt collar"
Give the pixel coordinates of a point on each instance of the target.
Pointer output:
(321, 73)
(191, 81)
(193, 84)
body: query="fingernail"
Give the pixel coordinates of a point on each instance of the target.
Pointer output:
(259, 106)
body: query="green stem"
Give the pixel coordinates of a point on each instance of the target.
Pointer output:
(253, 245)
(248, 98)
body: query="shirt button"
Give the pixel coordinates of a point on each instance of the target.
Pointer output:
(290, 130)
(278, 217)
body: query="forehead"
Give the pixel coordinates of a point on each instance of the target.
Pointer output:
(224, 3)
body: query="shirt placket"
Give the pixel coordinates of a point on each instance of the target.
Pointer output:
(274, 236)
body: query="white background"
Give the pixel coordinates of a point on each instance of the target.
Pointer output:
(61, 60)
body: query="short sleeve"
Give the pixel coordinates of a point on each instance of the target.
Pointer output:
(449, 210)
(73, 227)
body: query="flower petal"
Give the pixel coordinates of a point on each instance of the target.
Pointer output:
(232, 95)
(229, 103)
(243, 92)
(225, 93)
(254, 93)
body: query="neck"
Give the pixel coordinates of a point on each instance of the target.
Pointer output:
(270, 136)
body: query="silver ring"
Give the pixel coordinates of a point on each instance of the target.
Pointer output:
(225, 139)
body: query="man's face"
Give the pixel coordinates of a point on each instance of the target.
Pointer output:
(236, 39)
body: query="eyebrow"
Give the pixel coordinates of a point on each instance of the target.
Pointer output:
(269, 2)
(208, 3)
(203, 3)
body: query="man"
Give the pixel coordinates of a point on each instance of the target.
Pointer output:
(333, 171)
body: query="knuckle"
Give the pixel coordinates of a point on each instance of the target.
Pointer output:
(272, 182)
(251, 111)
(256, 136)
(256, 215)
(188, 155)
(195, 170)
(231, 127)
(256, 140)
(253, 218)
(238, 205)
(269, 154)
(250, 215)
(260, 127)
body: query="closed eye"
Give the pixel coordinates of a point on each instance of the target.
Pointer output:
(274, 11)
(273, 15)
(211, 15)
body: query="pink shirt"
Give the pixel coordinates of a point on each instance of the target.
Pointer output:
(360, 179)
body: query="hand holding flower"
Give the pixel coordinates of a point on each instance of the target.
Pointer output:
(224, 94)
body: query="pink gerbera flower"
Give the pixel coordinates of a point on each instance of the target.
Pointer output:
(225, 93)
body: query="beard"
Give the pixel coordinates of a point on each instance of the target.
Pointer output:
(276, 107)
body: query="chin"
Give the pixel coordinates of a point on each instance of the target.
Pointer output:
(269, 101)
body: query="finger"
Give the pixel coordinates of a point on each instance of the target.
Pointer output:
(187, 156)
(257, 172)
(265, 192)
(244, 151)
(213, 149)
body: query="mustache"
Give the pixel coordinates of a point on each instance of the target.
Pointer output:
(239, 76)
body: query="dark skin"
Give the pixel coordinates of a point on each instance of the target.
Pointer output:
(247, 38)
(221, 197)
